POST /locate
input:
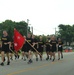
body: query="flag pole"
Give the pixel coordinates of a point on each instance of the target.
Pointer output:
(33, 48)
(12, 51)
(10, 48)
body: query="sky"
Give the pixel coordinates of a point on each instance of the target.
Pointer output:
(43, 15)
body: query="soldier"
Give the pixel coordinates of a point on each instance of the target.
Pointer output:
(47, 44)
(40, 47)
(5, 47)
(29, 48)
(35, 45)
(60, 48)
(53, 45)
(24, 50)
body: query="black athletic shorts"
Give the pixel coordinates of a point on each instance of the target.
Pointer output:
(5, 48)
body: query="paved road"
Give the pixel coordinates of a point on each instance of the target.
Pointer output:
(19, 67)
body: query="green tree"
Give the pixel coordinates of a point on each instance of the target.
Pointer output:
(9, 25)
(66, 33)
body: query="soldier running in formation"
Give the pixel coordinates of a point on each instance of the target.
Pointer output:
(31, 45)
(5, 47)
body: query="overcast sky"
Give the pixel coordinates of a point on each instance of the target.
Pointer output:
(44, 15)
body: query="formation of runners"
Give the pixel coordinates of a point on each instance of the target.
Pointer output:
(31, 46)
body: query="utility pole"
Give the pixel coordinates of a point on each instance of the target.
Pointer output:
(32, 29)
(27, 25)
(55, 31)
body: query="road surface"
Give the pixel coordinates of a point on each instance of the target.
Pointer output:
(64, 66)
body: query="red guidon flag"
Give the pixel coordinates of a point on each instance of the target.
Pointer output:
(18, 40)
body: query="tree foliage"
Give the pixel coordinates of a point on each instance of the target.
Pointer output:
(9, 26)
(66, 32)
